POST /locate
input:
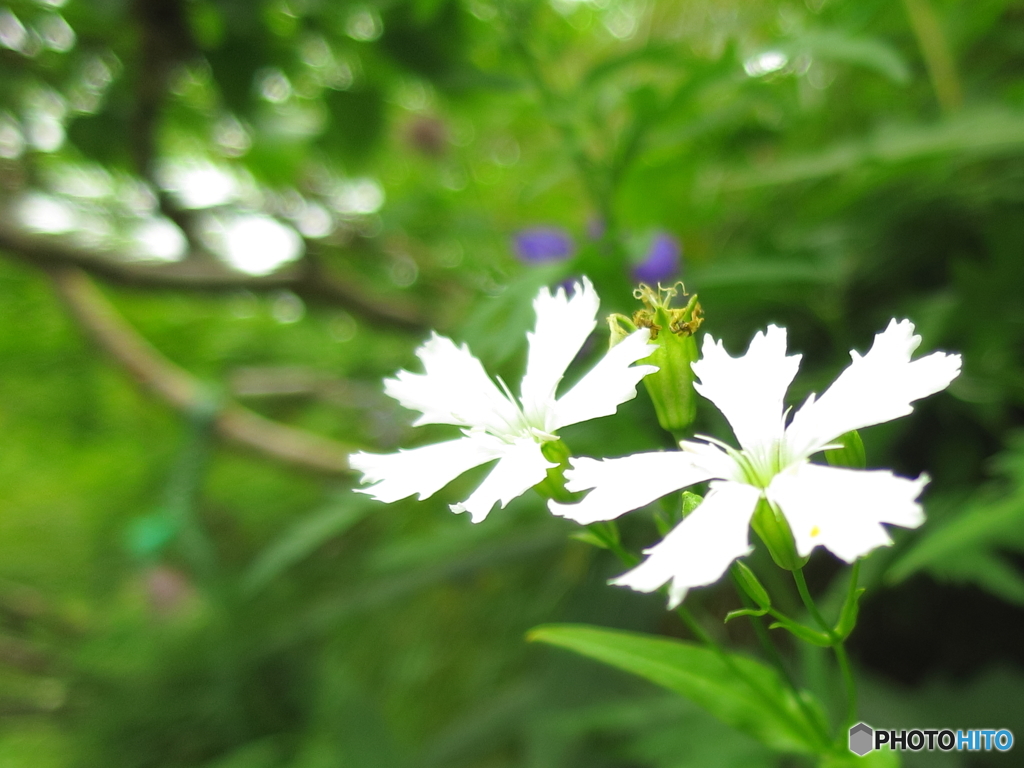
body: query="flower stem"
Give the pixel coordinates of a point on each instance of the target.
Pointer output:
(610, 539)
(775, 657)
(805, 595)
(762, 635)
(848, 683)
(842, 659)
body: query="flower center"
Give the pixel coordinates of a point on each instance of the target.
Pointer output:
(759, 466)
(520, 425)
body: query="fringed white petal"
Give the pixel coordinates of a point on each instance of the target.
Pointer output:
(712, 459)
(749, 390)
(620, 485)
(607, 385)
(522, 465)
(563, 325)
(875, 388)
(453, 389)
(424, 470)
(843, 509)
(701, 548)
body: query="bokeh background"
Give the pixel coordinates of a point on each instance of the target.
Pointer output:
(223, 222)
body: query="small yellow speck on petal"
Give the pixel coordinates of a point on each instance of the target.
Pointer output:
(815, 531)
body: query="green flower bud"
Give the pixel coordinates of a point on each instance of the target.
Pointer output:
(773, 529)
(671, 388)
(751, 585)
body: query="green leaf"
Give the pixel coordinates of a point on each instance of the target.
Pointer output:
(848, 615)
(970, 547)
(868, 52)
(589, 537)
(803, 632)
(982, 132)
(737, 690)
(743, 612)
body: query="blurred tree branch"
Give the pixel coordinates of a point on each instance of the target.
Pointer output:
(307, 278)
(179, 389)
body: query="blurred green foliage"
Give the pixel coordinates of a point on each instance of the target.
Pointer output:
(171, 601)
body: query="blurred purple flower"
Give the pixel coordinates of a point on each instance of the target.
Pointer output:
(662, 262)
(539, 245)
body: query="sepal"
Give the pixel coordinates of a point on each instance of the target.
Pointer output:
(850, 454)
(553, 486)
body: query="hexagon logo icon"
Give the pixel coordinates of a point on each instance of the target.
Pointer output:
(862, 739)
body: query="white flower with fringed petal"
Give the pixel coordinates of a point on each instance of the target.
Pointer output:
(841, 509)
(455, 389)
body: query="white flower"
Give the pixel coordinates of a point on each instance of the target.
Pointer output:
(455, 389)
(841, 509)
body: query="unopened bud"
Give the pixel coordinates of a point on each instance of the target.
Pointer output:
(672, 330)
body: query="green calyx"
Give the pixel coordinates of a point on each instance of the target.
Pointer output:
(553, 486)
(672, 330)
(773, 529)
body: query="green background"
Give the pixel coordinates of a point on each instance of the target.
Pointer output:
(172, 600)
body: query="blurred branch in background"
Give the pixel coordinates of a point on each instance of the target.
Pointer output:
(306, 278)
(363, 168)
(175, 386)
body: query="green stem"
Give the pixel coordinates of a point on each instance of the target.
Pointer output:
(609, 536)
(805, 595)
(629, 559)
(702, 634)
(762, 635)
(774, 656)
(842, 659)
(849, 684)
(854, 578)
(611, 541)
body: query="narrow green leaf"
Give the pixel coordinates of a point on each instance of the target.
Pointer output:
(589, 537)
(848, 616)
(737, 690)
(744, 612)
(606, 532)
(971, 543)
(868, 52)
(803, 632)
